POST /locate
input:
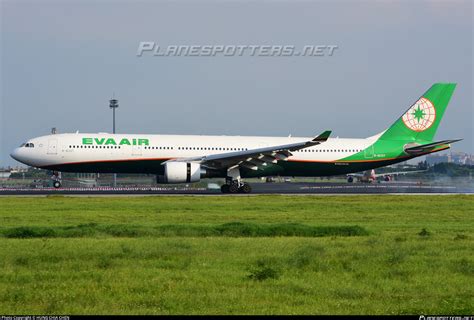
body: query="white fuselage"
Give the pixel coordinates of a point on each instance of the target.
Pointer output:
(69, 148)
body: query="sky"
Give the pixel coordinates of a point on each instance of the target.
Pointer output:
(61, 61)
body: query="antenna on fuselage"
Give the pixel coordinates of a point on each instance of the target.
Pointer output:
(54, 130)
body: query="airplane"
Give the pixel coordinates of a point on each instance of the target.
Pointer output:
(189, 158)
(370, 176)
(86, 183)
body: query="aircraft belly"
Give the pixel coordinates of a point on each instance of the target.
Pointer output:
(134, 166)
(317, 169)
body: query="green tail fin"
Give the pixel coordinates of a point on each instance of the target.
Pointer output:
(422, 119)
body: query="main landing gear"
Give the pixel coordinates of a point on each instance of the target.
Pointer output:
(235, 187)
(234, 184)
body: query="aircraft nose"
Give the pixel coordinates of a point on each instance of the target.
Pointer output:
(14, 154)
(19, 155)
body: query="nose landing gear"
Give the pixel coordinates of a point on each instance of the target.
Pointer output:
(56, 177)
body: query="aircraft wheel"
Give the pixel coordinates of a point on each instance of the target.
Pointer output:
(57, 184)
(350, 179)
(225, 188)
(234, 188)
(246, 188)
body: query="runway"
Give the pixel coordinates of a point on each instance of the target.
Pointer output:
(257, 188)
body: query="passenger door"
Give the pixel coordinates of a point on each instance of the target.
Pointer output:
(136, 150)
(53, 146)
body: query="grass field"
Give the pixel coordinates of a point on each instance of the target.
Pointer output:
(237, 255)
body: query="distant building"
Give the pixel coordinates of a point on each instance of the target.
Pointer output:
(460, 158)
(452, 157)
(5, 174)
(471, 160)
(18, 169)
(433, 159)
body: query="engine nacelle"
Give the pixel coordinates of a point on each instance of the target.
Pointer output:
(180, 172)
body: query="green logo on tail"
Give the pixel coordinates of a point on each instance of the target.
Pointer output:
(420, 116)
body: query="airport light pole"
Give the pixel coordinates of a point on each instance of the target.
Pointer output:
(113, 104)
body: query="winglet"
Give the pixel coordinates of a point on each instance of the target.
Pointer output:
(322, 137)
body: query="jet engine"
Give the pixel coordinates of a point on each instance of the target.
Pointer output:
(180, 172)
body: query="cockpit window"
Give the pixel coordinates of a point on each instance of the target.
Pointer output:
(29, 145)
(22, 145)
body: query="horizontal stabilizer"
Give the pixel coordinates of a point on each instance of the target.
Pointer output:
(426, 148)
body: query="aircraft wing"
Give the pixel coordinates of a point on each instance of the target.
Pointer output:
(355, 175)
(398, 173)
(254, 158)
(377, 175)
(425, 148)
